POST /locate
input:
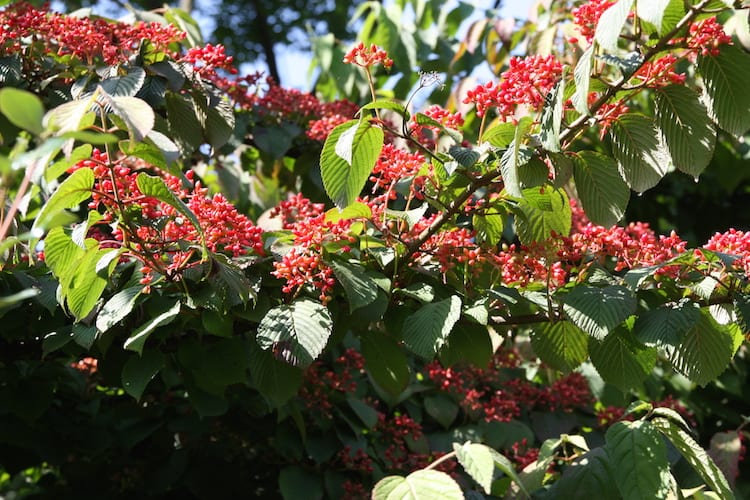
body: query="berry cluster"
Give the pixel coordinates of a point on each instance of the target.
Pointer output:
(707, 36)
(586, 17)
(527, 82)
(157, 233)
(368, 56)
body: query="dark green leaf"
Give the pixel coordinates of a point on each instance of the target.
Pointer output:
(297, 332)
(140, 370)
(686, 127)
(184, 125)
(542, 212)
(386, 362)
(621, 360)
(561, 344)
(695, 456)
(597, 311)
(360, 289)
(465, 156)
(725, 78)
(467, 344)
(642, 157)
(117, 308)
(638, 457)
(442, 408)
(704, 352)
(426, 331)
(138, 337)
(276, 380)
(126, 85)
(666, 326)
(296, 482)
(604, 195)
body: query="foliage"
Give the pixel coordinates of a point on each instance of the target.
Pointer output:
(183, 302)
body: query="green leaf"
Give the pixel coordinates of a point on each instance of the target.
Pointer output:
(515, 157)
(420, 485)
(542, 212)
(356, 210)
(217, 118)
(704, 352)
(652, 12)
(387, 104)
(611, 23)
(467, 343)
(117, 308)
(500, 135)
(184, 125)
(507, 467)
(71, 116)
(426, 331)
(672, 15)
(588, 476)
(489, 226)
(638, 457)
(87, 284)
(561, 344)
(155, 187)
(84, 335)
(464, 156)
(582, 78)
(552, 115)
(297, 332)
(9, 300)
(135, 113)
(725, 78)
(597, 311)
(604, 195)
(695, 456)
(23, 109)
(140, 370)
(235, 278)
(296, 482)
(186, 24)
(642, 157)
(621, 360)
(442, 408)
(427, 121)
(360, 289)
(666, 326)
(366, 413)
(124, 86)
(348, 156)
(138, 337)
(385, 362)
(276, 380)
(72, 192)
(478, 461)
(686, 128)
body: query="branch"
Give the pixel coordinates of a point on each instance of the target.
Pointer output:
(663, 42)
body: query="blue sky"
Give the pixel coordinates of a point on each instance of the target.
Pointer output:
(293, 65)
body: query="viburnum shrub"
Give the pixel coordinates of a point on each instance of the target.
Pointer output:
(219, 277)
